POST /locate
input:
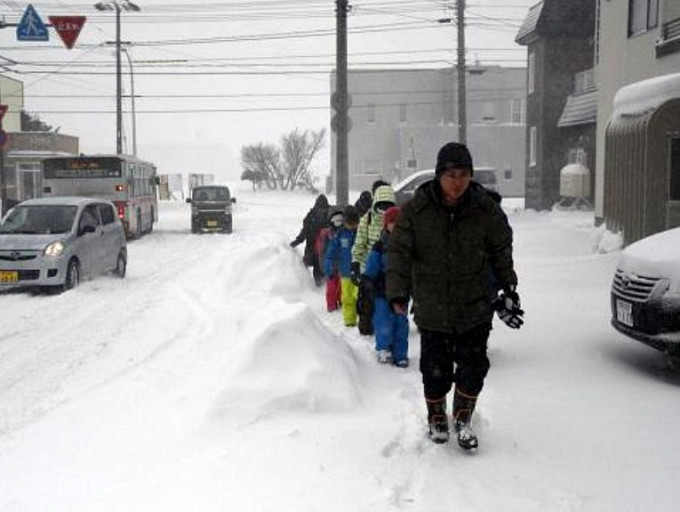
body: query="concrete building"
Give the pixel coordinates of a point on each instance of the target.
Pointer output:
(12, 95)
(400, 118)
(23, 155)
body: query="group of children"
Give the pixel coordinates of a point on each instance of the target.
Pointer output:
(334, 247)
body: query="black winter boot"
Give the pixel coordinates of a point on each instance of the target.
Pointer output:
(437, 420)
(463, 407)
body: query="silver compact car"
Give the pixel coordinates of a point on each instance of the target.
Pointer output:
(55, 242)
(645, 293)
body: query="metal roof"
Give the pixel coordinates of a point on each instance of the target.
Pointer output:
(580, 109)
(530, 22)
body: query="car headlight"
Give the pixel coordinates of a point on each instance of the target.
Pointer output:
(55, 249)
(674, 286)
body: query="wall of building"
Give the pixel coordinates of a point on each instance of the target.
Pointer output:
(12, 95)
(557, 60)
(622, 61)
(415, 113)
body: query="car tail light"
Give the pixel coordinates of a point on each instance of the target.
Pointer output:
(120, 188)
(121, 210)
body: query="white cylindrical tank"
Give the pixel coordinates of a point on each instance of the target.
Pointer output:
(575, 181)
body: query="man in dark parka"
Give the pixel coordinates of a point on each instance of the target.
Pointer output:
(451, 247)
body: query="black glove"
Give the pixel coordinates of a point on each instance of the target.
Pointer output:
(508, 309)
(356, 273)
(294, 243)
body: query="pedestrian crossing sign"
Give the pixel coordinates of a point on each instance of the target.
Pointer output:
(31, 27)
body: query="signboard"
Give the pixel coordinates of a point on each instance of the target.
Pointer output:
(31, 27)
(68, 28)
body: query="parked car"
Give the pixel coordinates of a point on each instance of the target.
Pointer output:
(405, 189)
(211, 209)
(645, 293)
(54, 242)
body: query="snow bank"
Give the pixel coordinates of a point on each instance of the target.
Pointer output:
(294, 364)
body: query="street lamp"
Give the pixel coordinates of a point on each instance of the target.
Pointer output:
(132, 96)
(118, 5)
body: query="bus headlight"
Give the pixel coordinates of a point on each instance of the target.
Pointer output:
(55, 249)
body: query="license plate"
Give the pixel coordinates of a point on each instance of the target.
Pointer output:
(9, 276)
(624, 312)
(211, 223)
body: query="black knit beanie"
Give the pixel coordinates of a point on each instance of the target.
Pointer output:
(453, 154)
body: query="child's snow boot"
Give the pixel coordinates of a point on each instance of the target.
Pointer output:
(437, 420)
(463, 407)
(384, 356)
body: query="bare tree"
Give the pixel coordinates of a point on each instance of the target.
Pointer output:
(285, 167)
(298, 150)
(264, 161)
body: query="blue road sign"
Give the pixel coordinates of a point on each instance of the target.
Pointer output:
(31, 27)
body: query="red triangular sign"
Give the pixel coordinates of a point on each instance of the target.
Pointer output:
(68, 28)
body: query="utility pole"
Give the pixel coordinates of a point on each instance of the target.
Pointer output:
(341, 122)
(117, 6)
(119, 87)
(462, 110)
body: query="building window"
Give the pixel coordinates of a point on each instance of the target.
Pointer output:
(532, 146)
(531, 73)
(507, 175)
(371, 113)
(642, 15)
(517, 111)
(402, 113)
(674, 194)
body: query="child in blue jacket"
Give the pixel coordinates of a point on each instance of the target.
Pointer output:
(339, 255)
(391, 329)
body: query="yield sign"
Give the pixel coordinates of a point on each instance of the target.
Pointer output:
(68, 28)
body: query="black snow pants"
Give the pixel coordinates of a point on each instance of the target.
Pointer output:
(441, 353)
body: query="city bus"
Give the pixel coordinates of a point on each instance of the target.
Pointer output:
(130, 183)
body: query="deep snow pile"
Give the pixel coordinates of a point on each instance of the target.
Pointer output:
(212, 378)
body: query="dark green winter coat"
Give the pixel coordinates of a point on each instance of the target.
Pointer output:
(446, 259)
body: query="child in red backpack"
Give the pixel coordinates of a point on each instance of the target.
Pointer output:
(327, 234)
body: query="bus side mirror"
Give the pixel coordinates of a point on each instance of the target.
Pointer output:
(233, 200)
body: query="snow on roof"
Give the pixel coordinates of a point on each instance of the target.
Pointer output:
(647, 95)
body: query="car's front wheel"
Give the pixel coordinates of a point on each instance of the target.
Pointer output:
(121, 264)
(72, 275)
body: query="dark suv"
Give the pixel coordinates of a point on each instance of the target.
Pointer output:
(211, 209)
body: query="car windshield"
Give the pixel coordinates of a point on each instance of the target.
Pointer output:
(211, 194)
(39, 219)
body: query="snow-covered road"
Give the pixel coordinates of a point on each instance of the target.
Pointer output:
(212, 378)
